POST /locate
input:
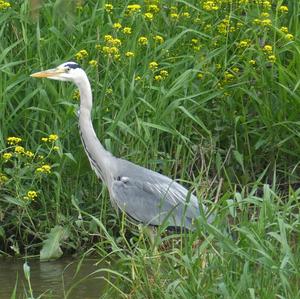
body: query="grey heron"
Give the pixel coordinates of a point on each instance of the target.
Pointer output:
(144, 195)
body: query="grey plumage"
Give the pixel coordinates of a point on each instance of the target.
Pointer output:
(146, 196)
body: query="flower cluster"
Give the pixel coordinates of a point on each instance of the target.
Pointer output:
(81, 54)
(133, 8)
(76, 95)
(93, 63)
(50, 138)
(129, 54)
(13, 140)
(20, 165)
(143, 41)
(3, 179)
(148, 16)
(127, 30)
(117, 26)
(108, 7)
(286, 33)
(153, 65)
(283, 8)
(44, 169)
(210, 5)
(244, 43)
(268, 50)
(163, 74)
(31, 195)
(4, 5)
(153, 8)
(111, 48)
(158, 39)
(18, 149)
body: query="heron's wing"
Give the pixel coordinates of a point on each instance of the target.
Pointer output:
(154, 200)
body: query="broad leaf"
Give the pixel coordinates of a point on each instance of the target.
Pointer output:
(51, 246)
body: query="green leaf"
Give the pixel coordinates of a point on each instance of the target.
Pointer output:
(51, 246)
(239, 158)
(26, 270)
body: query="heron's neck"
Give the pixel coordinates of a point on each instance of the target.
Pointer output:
(96, 153)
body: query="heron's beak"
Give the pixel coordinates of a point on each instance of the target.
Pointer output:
(48, 73)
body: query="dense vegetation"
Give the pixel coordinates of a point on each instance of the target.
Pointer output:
(206, 92)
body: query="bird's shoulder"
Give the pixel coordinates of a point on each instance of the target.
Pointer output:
(133, 176)
(136, 172)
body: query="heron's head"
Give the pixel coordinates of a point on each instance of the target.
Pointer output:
(68, 71)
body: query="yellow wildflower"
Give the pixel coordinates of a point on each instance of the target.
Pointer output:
(224, 26)
(284, 29)
(252, 62)
(76, 95)
(228, 77)
(31, 195)
(44, 169)
(210, 6)
(137, 78)
(4, 5)
(272, 58)
(13, 140)
(112, 41)
(93, 63)
(52, 137)
(108, 91)
(110, 50)
(143, 41)
(256, 21)
(186, 14)
(127, 30)
(265, 15)
(7, 156)
(148, 16)
(153, 65)
(108, 37)
(283, 8)
(129, 54)
(117, 26)
(244, 43)
(29, 154)
(268, 48)
(3, 178)
(159, 39)
(81, 54)
(266, 22)
(164, 73)
(158, 78)
(289, 36)
(44, 139)
(174, 16)
(200, 76)
(266, 4)
(174, 9)
(56, 148)
(133, 8)
(153, 8)
(108, 7)
(19, 149)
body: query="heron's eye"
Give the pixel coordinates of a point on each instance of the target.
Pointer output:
(68, 69)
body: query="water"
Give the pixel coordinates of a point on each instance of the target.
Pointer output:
(52, 279)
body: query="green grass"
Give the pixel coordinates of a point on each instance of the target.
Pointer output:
(233, 138)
